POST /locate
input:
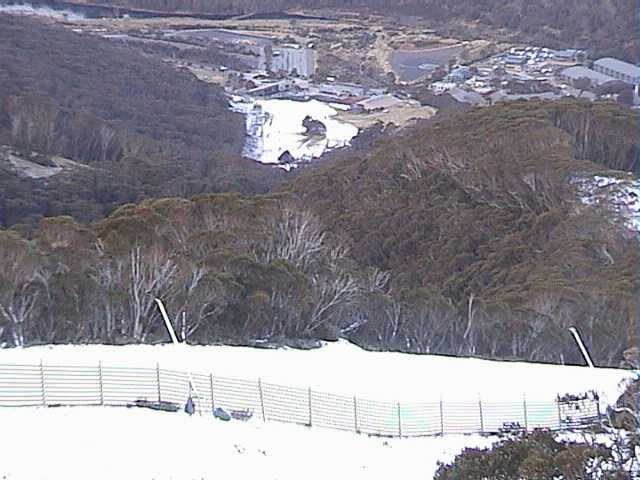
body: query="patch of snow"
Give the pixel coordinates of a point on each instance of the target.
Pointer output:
(343, 368)
(105, 443)
(29, 10)
(275, 126)
(340, 106)
(623, 194)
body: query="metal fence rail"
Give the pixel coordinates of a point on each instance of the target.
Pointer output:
(59, 385)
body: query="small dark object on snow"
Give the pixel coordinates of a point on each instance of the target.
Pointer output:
(162, 405)
(189, 407)
(286, 158)
(314, 127)
(511, 427)
(221, 414)
(243, 415)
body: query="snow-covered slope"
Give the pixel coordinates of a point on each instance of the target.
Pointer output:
(99, 443)
(344, 368)
(275, 127)
(138, 444)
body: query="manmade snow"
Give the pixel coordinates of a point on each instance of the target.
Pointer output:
(275, 126)
(115, 442)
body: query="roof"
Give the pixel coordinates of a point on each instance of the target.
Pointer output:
(583, 72)
(502, 96)
(567, 53)
(619, 66)
(379, 101)
(466, 96)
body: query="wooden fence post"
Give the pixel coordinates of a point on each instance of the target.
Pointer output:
(355, 413)
(526, 417)
(211, 385)
(310, 413)
(559, 415)
(158, 381)
(481, 416)
(101, 385)
(42, 389)
(399, 422)
(264, 417)
(441, 418)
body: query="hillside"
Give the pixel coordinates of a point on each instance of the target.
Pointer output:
(142, 128)
(605, 28)
(477, 220)
(465, 236)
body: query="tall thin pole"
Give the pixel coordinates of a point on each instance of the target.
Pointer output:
(101, 384)
(583, 349)
(211, 384)
(174, 339)
(167, 322)
(264, 417)
(355, 413)
(158, 382)
(44, 393)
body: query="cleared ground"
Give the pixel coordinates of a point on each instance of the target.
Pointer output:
(401, 115)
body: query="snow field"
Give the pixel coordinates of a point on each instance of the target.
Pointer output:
(138, 444)
(345, 369)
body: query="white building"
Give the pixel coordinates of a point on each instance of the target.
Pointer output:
(618, 69)
(574, 73)
(294, 60)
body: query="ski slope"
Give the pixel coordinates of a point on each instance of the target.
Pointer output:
(275, 126)
(138, 444)
(343, 368)
(78, 443)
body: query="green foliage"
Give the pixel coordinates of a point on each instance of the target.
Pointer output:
(481, 209)
(536, 456)
(141, 128)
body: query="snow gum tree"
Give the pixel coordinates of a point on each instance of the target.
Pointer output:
(21, 285)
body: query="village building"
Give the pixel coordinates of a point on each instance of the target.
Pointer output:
(618, 69)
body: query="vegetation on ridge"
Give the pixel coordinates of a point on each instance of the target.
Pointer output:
(466, 236)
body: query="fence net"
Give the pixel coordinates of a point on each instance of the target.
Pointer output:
(58, 385)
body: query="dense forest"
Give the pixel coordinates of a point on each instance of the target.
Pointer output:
(463, 236)
(476, 219)
(140, 128)
(606, 28)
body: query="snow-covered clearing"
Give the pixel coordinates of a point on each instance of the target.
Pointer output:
(118, 443)
(343, 368)
(275, 126)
